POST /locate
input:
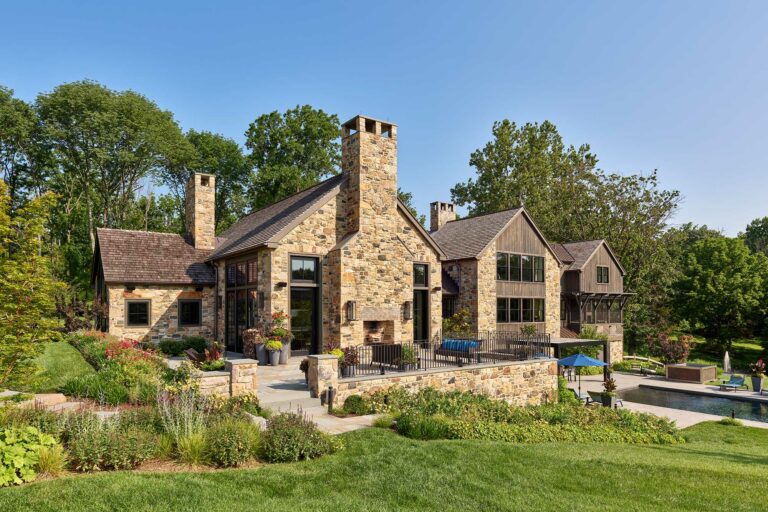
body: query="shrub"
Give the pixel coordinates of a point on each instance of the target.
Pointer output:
(103, 387)
(109, 448)
(212, 366)
(142, 418)
(38, 417)
(192, 449)
(198, 343)
(356, 404)
(51, 460)
(384, 421)
(731, 422)
(164, 447)
(172, 347)
(231, 442)
(247, 402)
(182, 414)
(418, 426)
(20, 454)
(564, 393)
(668, 349)
(291, 437)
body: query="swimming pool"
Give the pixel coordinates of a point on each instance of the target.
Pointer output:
(698, 403)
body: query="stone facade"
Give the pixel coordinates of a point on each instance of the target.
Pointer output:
(200, 210)
(164, 316)
(439, 214)
(464, 273)
(519, 382)
(616, 351)
(239, 377)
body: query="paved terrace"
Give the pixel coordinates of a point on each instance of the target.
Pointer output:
(681, 417)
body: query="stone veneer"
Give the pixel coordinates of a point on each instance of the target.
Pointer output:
(200, 210)
(163, 310)
(517, 382)
(616, 351)
(239, 377)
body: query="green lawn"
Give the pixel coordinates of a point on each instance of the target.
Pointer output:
(743, 353)
(721, 468)
(59, 362)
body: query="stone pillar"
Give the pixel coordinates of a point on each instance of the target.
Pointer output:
(615, 351)
(323, 372)
(242, 376)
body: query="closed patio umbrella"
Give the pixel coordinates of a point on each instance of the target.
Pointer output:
(577, 361)
(726, 363)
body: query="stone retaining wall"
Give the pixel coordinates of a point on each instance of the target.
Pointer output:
(517, 382)
(239, 377)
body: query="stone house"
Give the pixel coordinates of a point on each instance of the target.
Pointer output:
(345, 259)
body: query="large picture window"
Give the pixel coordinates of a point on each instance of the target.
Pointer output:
(602, 275)
(242, 303)
(137, 313)
(514, 310)
(190, 312)
(519, 267)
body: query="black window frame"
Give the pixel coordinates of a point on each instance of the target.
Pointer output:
(524, 268)
(128, 303)
(502, 310)
(449, 306)
(512, 310)
(302, 280)
(603, 274)
(420, 286)
(502, 266)
(179, 305)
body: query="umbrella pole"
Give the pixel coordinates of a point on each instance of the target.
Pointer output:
(579, 370)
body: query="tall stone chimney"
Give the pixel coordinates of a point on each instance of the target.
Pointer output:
(200, 210)
(369, 161)
(439, 214)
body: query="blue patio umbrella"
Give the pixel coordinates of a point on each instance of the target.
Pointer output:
(577, 361)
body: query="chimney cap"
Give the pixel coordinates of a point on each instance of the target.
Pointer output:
(352, 123)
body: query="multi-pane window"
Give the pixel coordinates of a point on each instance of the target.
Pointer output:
(519, 267)
(137, 313)
(614, 313)
(240, 274)
(512, 310)
(304, 269)
(190, 312)
(449, 307)
(602, 275)
(420, 275)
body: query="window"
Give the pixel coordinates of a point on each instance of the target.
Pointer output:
(420, 272)
(449, 307)
(509, 310)
(615, 312)
(502, 266)
(190, 312)
(137, 313)
(601, 312)
(304, 269)
(602, 275)
(519, 267)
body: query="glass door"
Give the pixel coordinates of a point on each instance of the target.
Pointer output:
(304, 321)
(420, 315)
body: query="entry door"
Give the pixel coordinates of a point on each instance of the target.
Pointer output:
(304, 325)
(420, 315)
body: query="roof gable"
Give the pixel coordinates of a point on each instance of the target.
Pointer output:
(419, 228)
(584, 250)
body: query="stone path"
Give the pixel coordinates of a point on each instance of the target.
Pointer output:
(681, 417)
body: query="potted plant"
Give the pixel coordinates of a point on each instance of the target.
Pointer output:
(348, 361)
(758, 370)
(608, 396)
(279, 330)
(274, 346)
(304, 367)
(253, 345)
(408, 360)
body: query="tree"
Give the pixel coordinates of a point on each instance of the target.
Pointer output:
(290, 152)
(105, 143)
(756, 235)
(27, 288)
(723, 288)
(407, 199)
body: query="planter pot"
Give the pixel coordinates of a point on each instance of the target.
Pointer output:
(347, 371)
(262, 355)
(306, 379)
(757, 384)
(608, 401)
(274, 357)
(285, 352)
(411, 367)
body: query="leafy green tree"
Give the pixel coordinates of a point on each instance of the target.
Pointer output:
(407, 199)
(756, 235)
(290, 152)
(722, 288)
(27, 288)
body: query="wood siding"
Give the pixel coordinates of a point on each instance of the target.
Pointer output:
(589, 274)
(521, 238)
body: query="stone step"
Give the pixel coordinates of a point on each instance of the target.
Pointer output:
(49, 399)
(292, 405)
(65, 406)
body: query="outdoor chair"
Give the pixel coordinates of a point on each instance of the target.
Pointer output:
(460, 350)
(582, 397)
(734, 383)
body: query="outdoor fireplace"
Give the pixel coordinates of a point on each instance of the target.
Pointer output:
(378, 331)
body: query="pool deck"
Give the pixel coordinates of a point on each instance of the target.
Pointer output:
(681, 417)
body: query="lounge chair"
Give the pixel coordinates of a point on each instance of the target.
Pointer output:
(734, 383)
(582, 397)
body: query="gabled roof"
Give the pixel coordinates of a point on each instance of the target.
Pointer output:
(423, 232)
(448, 284)
(268, 225)
(467, 238)
(144, 257)
(581, 252)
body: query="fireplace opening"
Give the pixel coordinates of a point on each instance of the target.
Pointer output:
(378, 331)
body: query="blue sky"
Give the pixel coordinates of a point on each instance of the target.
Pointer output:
(681, 87)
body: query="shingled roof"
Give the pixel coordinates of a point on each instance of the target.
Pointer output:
(580, 253)
(144, 257)
(466, 238)
(269, 224)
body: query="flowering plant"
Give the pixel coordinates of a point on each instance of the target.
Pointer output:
(758, 368)
(127, 351)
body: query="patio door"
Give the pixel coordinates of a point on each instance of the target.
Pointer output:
(304, 321)
(420, 315)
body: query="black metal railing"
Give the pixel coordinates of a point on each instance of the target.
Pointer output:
(446, 351)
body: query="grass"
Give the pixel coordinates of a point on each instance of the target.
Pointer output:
(720, 468)
(59, 363)
(743, 353)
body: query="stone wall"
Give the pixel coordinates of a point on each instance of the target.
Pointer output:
(239, 377)
(616, 351)
(163, 311)
(464, 273)
(517, 382)
(486, 289)
(552, 295)
(200, 210)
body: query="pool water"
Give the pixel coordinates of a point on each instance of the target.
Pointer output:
(698, 403)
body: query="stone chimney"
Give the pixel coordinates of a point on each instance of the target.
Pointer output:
(200, 210)
(439, 214)
(369, 161)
